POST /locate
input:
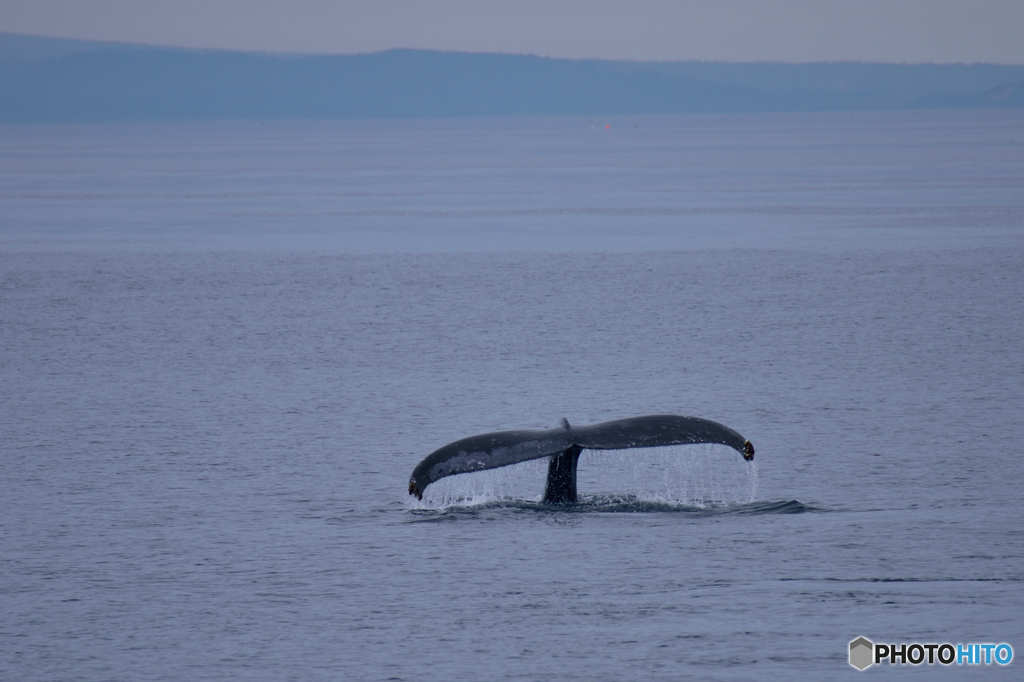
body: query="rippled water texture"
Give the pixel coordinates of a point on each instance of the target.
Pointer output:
(223, 349)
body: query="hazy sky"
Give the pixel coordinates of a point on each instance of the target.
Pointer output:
(729, 30)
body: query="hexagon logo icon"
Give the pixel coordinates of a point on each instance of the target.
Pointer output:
(862, 653)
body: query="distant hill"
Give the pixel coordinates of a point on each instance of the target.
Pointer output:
(57, 80)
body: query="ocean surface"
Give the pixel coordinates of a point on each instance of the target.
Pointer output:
(224, 347)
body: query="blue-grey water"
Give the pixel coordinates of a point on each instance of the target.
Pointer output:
(224, 347)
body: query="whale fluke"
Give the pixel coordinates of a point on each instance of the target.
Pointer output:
(564, 445)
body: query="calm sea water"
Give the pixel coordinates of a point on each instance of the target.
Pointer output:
(224, 347)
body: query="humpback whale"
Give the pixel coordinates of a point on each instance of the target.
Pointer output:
(563, 446)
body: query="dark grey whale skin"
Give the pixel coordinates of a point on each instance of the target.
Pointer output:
(501, 448)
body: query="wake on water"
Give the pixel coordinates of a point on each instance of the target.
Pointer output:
(697, 478)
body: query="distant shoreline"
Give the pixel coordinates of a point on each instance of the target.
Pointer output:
(49, 80)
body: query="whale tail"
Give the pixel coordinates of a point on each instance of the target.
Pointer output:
(563, 446)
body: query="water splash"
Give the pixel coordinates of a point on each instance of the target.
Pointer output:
(518, 482)
(693, 476)
(699, 476)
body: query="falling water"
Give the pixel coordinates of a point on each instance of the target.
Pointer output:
(518, 482)
(686, 475)
(683, 475)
